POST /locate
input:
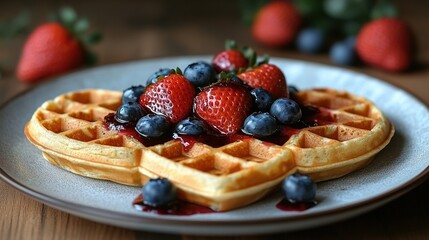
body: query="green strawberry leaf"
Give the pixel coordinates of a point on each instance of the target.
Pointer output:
(15, 26)
(250, 54)
(91, 38)
(230, 44)
(384, 8)
(67, 16)
(249, 9)
(178, 71)
(90, 58)
(309, 8)
(81, 25)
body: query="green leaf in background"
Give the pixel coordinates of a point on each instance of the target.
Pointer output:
(309, 8)
(352, 27)
(67, 16)
(15, 26)
(384, 8)
(90, 58)
(347, 9)
(81, 25)
(91, 38)
(249, 8)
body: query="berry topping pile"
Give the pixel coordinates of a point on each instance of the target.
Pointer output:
(229, 97)
(208, 103)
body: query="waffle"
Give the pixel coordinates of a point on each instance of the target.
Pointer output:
(72, 135)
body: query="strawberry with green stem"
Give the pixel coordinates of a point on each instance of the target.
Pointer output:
(224, 106)
(230, 59)
(267, 76)
(56, 47)
(171, 96)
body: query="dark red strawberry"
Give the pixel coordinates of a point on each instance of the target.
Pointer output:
(224, 106)
(230, 59)
(171, 96)
(267, 76)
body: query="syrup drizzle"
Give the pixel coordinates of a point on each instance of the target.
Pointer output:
(182, 208)
(286, 205)
(177, 208)
(312, 116)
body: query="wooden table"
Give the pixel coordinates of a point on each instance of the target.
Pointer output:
(140, 30)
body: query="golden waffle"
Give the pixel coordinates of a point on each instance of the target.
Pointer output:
(71, 134)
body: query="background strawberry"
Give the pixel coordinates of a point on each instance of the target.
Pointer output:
(267, 76)
(224, 106)
(230, 59)
(386, 43)
(57, 47)
(276, 24)
(171, 96)
(49, 51)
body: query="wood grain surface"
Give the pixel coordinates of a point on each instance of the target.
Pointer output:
(135, 30)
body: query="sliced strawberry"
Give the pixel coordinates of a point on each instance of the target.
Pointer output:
(171, 96)
(267, 76)
(224, 106)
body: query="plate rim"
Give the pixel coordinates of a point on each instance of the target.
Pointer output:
(74, 208)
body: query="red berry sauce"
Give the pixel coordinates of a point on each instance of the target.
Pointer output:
(312, 116)
(178, 208)
(286, 205)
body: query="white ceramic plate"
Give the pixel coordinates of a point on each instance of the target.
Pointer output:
(398, 168)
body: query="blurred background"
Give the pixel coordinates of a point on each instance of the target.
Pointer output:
(133, 30)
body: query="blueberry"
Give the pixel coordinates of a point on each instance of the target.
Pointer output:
(191, 126)
(260, 125)
(343, 53)
(158, 192)
(299, 188)
(237, 80)
(286, 111)
(129, 112)
(350, 41)
(292, 89)
(162, 72)
(262, 98)
(152, 125)
(311, 40)
(200, 73)
(132, 94)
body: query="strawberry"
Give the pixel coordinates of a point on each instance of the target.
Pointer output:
(267, 76)
(53, 48)
(230, 59)
(171, 96)
(276, 24)
(50, 50)
(224, 106)
(386, 43)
